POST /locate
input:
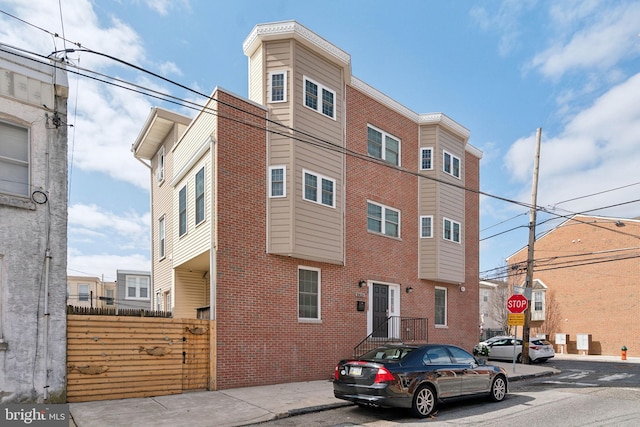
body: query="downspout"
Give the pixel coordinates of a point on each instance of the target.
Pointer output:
(47, 259)
(213, 271)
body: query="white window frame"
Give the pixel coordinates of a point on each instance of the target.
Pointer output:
(162, 237)
(111, 296)
(167, 301)
(200, 210)
(538, 314)
(160, 171)
(449, 162)
(383, 220)
(82, 296)
(318, 318)
(320, 179)
(13, 180)
(422, 151)
(319, 97)
(182, 212)
(383, 148)
(446, 303)
(421, 226)
(450, 225)
(271, 181)
(284, 88)
(138, 285)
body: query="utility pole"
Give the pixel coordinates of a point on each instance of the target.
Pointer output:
(530, 254)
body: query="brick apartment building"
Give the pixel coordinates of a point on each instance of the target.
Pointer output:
(302, 218)
(589, 266)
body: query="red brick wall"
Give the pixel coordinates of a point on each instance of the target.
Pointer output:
(260, 340)
(597, 298)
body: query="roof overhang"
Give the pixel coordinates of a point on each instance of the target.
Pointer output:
(158, 125)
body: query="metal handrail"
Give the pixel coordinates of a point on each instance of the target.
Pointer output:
(395, 329)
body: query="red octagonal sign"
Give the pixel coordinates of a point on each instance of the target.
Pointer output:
(517, 304)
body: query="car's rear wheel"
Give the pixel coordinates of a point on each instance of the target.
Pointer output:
(498, 389)
(424, 401)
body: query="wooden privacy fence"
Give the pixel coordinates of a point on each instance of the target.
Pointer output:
(117, 357)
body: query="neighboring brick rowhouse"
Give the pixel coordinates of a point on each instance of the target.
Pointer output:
(594, 280)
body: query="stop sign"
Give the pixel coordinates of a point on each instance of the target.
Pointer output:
(517, 303)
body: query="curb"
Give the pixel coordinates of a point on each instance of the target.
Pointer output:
(311, 409)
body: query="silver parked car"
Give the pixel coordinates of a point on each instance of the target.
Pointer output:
(416, 378)
(540, 350)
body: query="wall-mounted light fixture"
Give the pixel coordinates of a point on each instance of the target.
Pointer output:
(408, 289)
(361, 283)
(462, 288)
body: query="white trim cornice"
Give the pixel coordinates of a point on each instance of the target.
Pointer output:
(293, 29)
(427, 119)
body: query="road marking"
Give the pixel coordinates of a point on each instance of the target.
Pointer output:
(571, 383)
(616, 377)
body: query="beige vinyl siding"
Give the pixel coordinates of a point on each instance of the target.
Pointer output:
(318, 231)
(280, 150)
(197, 239)
(451, 205)
(163, 205)
(191, 292)
(440, 259)
(297, 227)
(278, 58)
(256, 84)
(428, 205)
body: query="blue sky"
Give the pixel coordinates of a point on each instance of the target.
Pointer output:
(500, 68)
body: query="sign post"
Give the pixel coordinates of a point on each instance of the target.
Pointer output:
(516, 306)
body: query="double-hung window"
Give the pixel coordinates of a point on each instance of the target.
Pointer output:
(451, 230)
(451, 164)
(14, 159)
(137, 287)
(111, 296)
(182, 211)
(200, 196)
(83, 292)
(319, 98)
(440, 315)
(383, 146)
(426, 226)
(278, 86)
(383, 219)
(308, 293)
(161, 237)
(318, 189)
(277, 184)
(426, 158)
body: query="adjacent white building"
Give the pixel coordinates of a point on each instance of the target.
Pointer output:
(33, 228)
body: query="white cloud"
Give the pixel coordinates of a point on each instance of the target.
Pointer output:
(505, 20)
(104, 264)
(596, 151)
(96, 218)
(602, 36)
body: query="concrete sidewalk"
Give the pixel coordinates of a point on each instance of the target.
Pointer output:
(250, 405)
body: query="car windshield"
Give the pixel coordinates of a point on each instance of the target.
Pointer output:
(388, 353)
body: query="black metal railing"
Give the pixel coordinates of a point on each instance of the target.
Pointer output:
(395, 329)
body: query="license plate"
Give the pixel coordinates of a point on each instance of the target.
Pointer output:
(355, 371)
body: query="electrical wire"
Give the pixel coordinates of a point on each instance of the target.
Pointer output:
(292, 131)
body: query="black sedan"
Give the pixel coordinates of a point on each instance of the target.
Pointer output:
(416, 377)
